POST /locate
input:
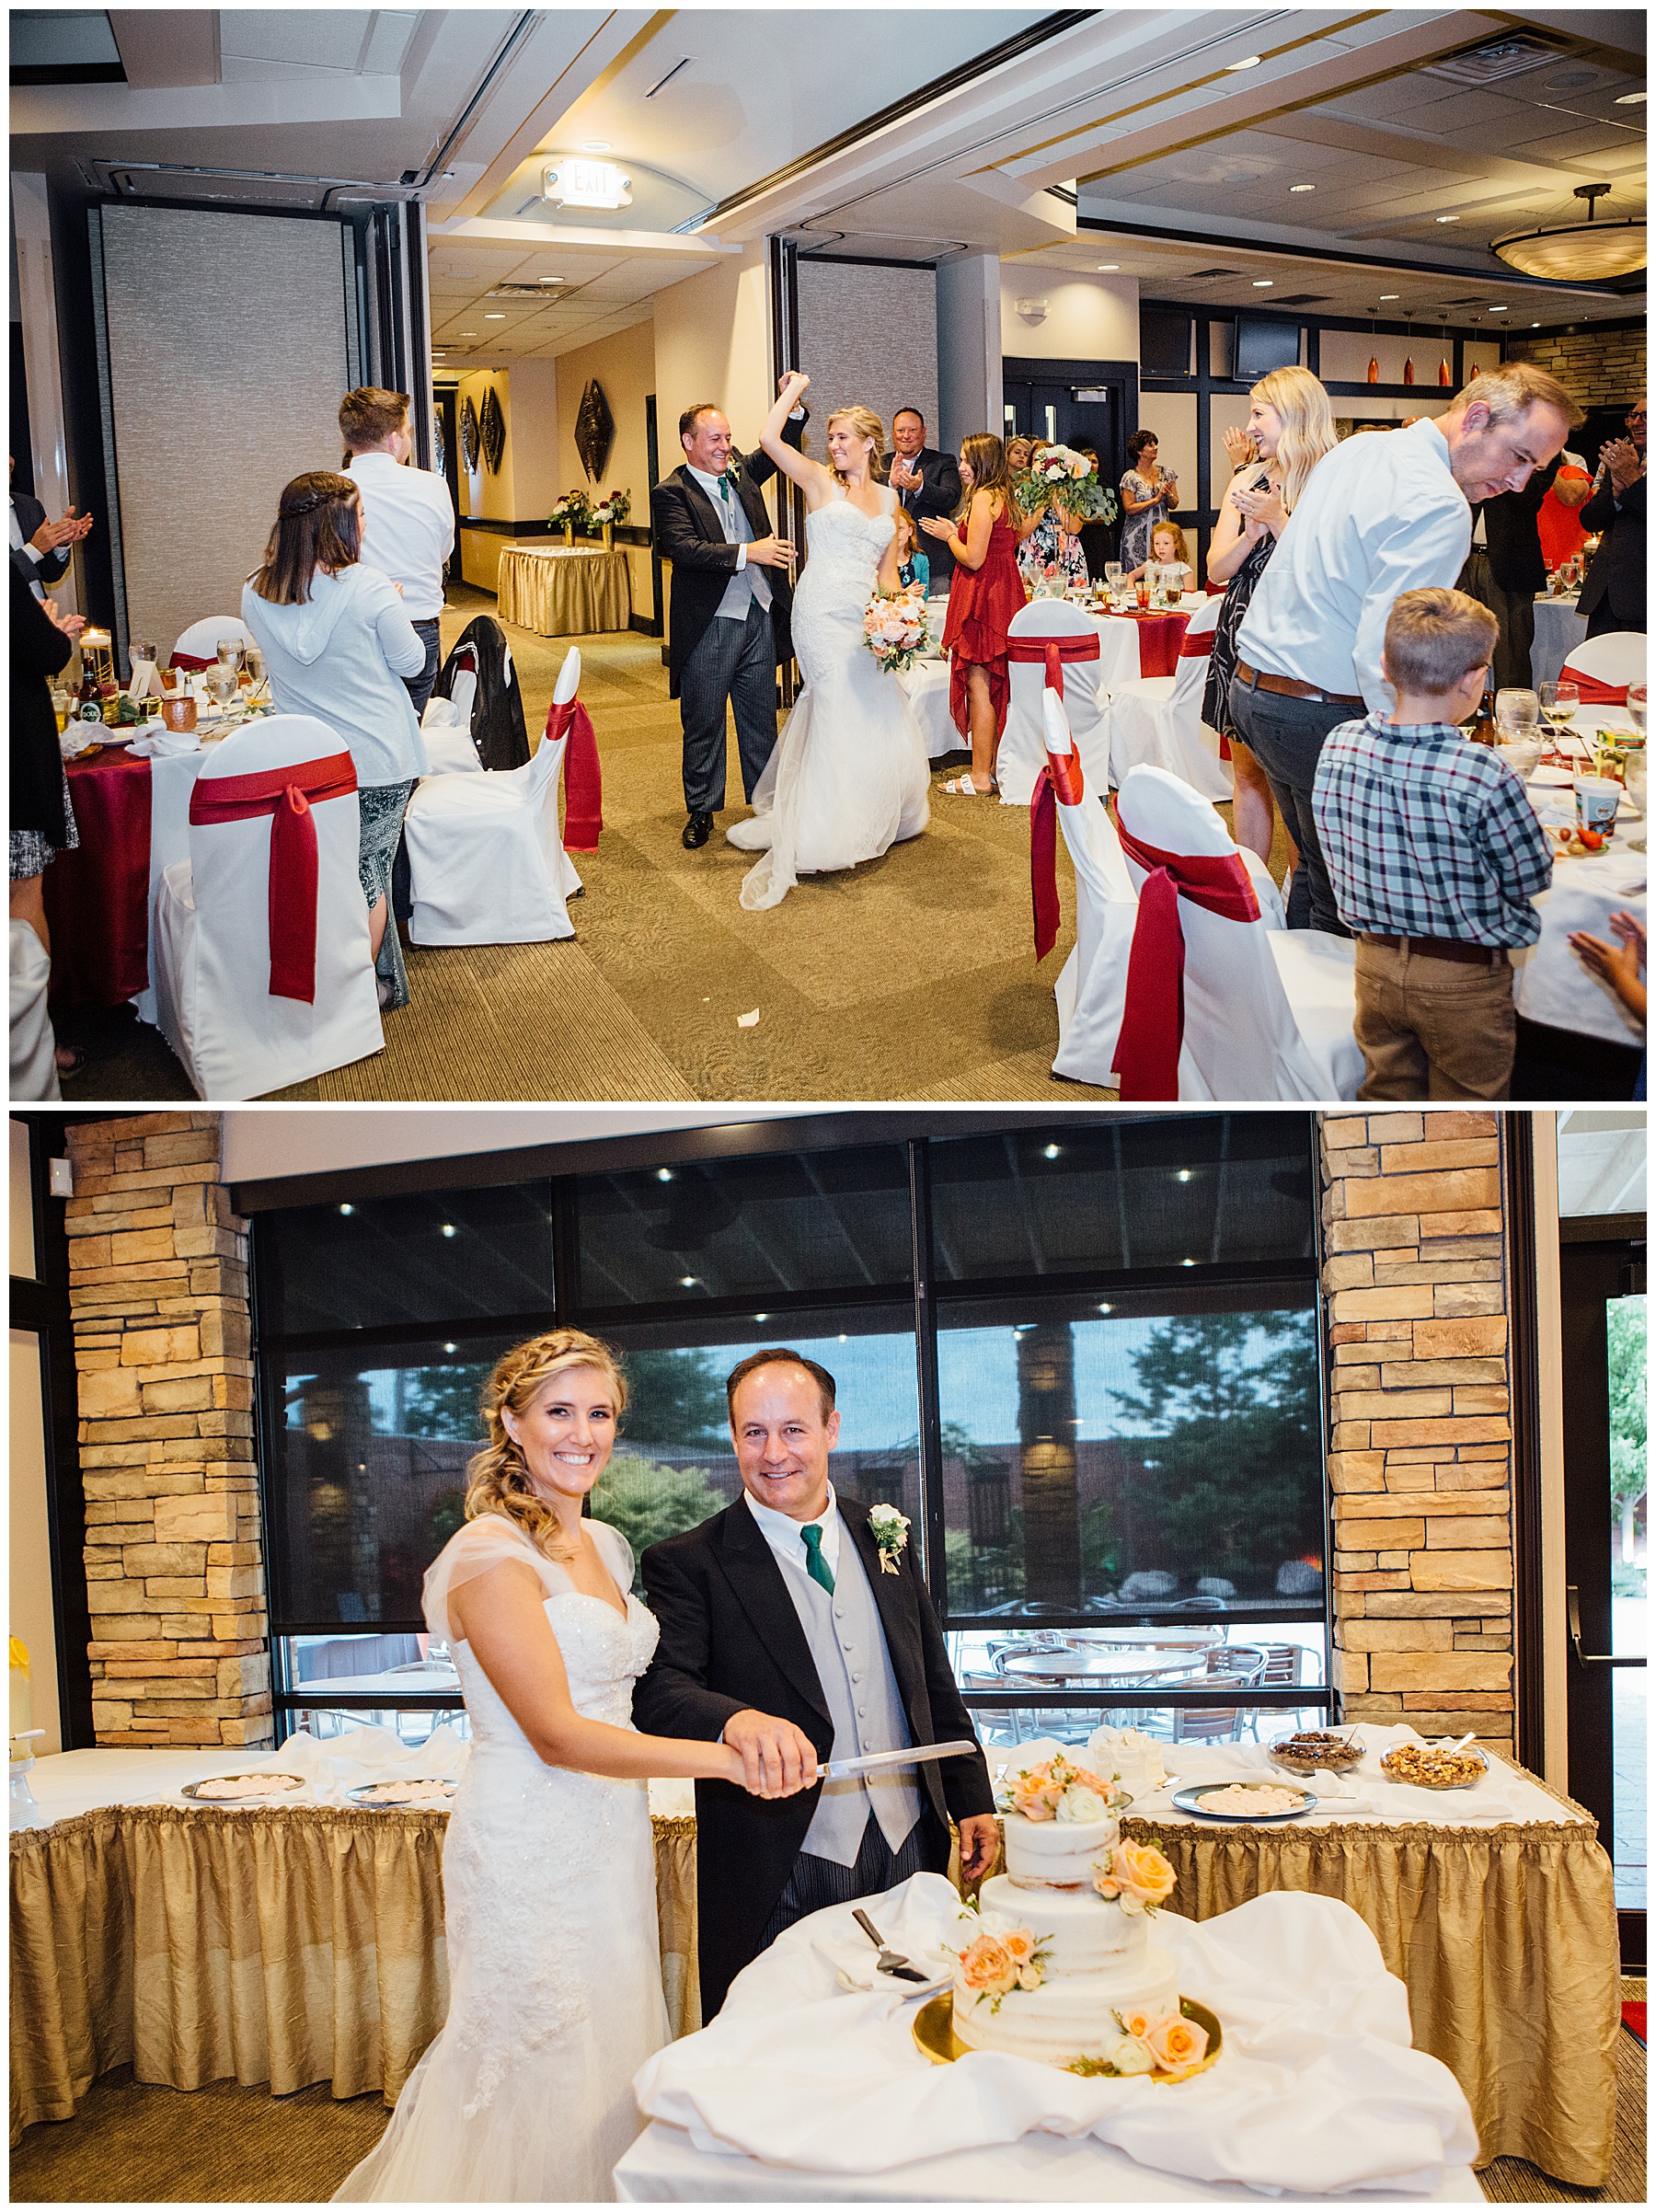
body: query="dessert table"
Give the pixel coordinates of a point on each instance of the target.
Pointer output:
(287, 1943)
(1496, 1906)
(564, 591)
(1559, 630)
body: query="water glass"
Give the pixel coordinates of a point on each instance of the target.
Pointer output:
(232, 652)
(1636, 695)
(1520, 747)
(1112, 576)
(1635, 774)
(1516, 709)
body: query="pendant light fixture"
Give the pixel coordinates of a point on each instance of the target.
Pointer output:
(1579, 253)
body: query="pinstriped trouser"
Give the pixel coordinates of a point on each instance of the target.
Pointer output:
(815, 1883)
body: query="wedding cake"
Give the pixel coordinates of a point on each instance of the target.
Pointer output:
(1060, 1967)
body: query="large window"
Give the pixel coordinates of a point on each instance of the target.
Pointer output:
(1082, 1358)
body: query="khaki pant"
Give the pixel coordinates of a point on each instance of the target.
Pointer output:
(1434, 1029)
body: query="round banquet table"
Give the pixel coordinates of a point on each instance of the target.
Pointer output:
(564, 591)
(1160, 633)
(1104, 1665)
(1559, 630)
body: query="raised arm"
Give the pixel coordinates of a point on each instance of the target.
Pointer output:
(812, 478)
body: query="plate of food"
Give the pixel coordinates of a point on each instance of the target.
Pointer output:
(1247, 1801)
(241, 1789)
(1435, 1766)
(1314, 1747)
(421, 1794)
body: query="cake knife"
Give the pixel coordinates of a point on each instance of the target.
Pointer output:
(839, 1770)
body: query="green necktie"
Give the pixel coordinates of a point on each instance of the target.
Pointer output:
(816, 1566)
(724, 490)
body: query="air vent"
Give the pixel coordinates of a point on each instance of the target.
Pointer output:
(232, 188)
(1501, 57)
(1304, 299)
(1201, 276)
(545, 288)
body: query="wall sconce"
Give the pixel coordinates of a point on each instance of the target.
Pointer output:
(1033, 311)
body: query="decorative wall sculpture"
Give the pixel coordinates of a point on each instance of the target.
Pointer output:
(494, 430)
(594, 430)
(468, 434)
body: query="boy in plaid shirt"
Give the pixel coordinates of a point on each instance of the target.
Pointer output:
(1435, 855)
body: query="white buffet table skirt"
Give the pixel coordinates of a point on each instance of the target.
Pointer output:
(1559, 630)
(1318, 2088)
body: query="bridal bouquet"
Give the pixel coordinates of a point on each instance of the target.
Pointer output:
(894, 628)
(1070, 480)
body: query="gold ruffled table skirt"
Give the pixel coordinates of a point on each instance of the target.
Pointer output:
(288, 1947)
(568, 593)
(1504, 1936)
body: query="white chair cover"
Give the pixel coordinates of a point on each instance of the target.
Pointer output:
(1092, 989)
(485, 853)
(33, 1047)
(1158, 720)
(210, 948)
(446, 728)
(1269, 1011)
(1023, 752)
(1615, 656)
(201, 640)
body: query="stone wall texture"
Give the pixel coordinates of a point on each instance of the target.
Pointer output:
(1420, 1462)
(163, 1355)
(1601, 368)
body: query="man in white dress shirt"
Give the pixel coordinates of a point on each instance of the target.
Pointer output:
(408, 516)
(1385, 512)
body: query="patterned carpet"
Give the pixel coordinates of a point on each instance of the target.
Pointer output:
(911, 977)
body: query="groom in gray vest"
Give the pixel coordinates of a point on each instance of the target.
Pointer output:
(789, 1633)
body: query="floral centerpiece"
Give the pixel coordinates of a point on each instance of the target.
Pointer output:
(572, 513)
(616, 507)
(1002, 1956)
(1062, 476)
(1053, 1788)
(894, 628)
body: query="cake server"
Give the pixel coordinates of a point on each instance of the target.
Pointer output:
(839, 1770)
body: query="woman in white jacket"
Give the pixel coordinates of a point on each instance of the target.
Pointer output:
(337, 644)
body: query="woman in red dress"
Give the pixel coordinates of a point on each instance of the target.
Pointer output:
(986, 593)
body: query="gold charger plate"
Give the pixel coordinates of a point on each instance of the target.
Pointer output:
(933, 2029)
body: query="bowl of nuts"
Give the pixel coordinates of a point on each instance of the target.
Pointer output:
(1313, 1749)
(1435, 1766)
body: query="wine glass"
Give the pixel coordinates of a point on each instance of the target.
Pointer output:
(1636, 695)
(222, 685)
(1113, 577)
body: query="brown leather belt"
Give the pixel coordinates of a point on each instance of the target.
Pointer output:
(1291, 688)
(1440, 948)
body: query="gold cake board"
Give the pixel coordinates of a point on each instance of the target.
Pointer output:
(935, 2038)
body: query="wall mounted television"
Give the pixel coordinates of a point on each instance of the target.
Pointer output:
(1262, 344)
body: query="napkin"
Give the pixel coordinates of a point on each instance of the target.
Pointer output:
(168, 744)
(1318, 2089)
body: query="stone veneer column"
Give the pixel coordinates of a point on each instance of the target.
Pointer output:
(163, 1353)
(1421, 1459)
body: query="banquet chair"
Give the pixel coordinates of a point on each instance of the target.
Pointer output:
(446, 728)
(198, 643)
(1022, 753)
(1158, 719)
(247, 1009)
(33, 1046)
(487, 862)
(1268, 1012)
(1092, 987)
(1603, 667)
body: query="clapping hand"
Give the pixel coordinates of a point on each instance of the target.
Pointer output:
(50, 536)
(1621, 457)
(905, 474)
(1617, 965)
(1263, 507)
(71, 625)
(937, 525)
(1239, 446)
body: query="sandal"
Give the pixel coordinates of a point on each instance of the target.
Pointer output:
(962, 787)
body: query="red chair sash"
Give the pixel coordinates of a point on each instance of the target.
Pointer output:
(1594, 692)
(1153, 1019)
(1197, 647)
(1060, 783)
(1054, 652)
(193, 664)
(583, 777)
(286, 795)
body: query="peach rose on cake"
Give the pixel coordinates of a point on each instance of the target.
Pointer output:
(987, 1966)
(1136, 1875)
(1179, 2044)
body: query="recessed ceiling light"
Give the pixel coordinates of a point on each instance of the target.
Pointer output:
(686, 1282)
(469, 334)
(594, 146)
(1105, 266)
(1251, 63)
(1499, 311)
(449, 1230)
(494, 319)
(1183, 1175)
(347, 1209)
(1534, 326)
(451, 1347)
(1448, 218)
(1263, 284)
(1389, 296)
(1630, 99)
(1106, 1308)
(1050, 1152)
(1302, 188)
(663, 1175)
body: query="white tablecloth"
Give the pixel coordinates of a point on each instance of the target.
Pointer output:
(1559, 630)
(1550, 984)
(825, 2092)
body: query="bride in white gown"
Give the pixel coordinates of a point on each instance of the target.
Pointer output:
(549, 1869)
(850, 774)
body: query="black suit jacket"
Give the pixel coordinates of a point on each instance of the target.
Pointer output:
(1511, 536)
(689, 532)
(1617, 573)
(31, 515)
(39, 649)
(938, 494)
(730, 1639)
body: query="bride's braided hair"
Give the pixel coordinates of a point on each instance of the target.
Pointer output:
(497, 1480)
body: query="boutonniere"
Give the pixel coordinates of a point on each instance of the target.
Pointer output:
(890, 1529)
(733, 466)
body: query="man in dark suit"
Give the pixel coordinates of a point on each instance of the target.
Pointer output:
(40, 550)
(728, 630)
(1614, 594)
(927, 482)
(790, 1634)
(1506, 568)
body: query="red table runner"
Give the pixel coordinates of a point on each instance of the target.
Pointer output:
(97, 896)
(1161, 629)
